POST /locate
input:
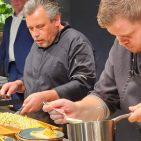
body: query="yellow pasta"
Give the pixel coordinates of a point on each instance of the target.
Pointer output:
(47, 133)
(18, 121)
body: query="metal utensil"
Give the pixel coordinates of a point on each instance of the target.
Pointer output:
(19, 110)
(68, 119)
(117, 119)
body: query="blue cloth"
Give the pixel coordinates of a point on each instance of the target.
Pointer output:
(13, 75)
(22, 46)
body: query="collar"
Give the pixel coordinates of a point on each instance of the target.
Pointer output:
(19, 15)
(57, 38)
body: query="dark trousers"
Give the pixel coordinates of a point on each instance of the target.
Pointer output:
(14, 74)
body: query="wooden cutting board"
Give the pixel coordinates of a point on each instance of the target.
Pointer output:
(6, 130)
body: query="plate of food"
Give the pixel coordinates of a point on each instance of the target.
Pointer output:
(40, 134)
(13, 123)
(6, 138)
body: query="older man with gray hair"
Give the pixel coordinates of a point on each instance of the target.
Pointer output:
(60, 64)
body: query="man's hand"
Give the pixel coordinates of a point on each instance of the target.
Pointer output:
(34, 102)
(11, 88)
(66, 106)
(136, 113)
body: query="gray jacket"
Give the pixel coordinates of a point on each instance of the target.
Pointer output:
(120, 82)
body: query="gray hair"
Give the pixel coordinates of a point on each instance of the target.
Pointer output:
(109, 10)
(51, 6)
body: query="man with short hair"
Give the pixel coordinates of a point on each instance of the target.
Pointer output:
(60, 64)
(119, 86)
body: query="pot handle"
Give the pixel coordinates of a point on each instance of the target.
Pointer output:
(116, 119)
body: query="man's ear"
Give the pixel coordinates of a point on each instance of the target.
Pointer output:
(57, 20)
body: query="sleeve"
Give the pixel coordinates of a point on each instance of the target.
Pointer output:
(81, 71)
(106, 87)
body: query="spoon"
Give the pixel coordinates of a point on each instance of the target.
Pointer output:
(68, 119)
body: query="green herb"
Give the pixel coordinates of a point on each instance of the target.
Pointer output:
(5, 11)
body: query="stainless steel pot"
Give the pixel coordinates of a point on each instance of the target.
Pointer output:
(103, 130)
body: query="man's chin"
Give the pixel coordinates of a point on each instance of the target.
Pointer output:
(42, 45)
(135, 51)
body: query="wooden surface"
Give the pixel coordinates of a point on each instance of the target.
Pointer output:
(5, 130)
(8, 130)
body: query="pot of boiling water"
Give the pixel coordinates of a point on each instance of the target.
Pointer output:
(100, 130)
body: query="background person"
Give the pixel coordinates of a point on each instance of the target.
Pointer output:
(15, 47)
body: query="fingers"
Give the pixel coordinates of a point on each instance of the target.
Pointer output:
(8, 89)
(47, 108)
(24, 110)
(136, 113)
(133, 108)
(58, 118)
(27, 106)
(60, 109)
(60, 121)
(4, 89)
(135, 117)
(57, 104)
(57, 115)
(31, 104)
(5, 97)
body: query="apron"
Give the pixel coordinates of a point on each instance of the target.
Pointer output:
(132, 88)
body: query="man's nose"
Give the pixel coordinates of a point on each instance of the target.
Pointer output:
(36, 33)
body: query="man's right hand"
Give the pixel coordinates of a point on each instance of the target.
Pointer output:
(65, 106)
